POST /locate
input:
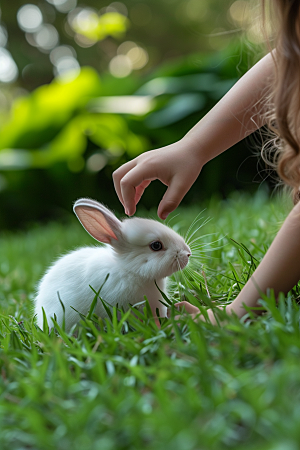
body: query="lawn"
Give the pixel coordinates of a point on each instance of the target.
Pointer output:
(125, 384)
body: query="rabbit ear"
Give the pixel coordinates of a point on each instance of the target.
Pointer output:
(98, 221)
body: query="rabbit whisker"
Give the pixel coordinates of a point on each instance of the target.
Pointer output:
(197, 218)
(177, 277)
(200, 257)
(182, 274)
(201, 237)
(194, 276)
(197, 248)
(168, 221)
(205, 244)
(200, 278)
(185, 278)
(206, 221)
(200, 251)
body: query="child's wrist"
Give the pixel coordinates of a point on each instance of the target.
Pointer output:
(192, 145)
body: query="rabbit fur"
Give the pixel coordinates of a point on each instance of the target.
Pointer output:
(137, 253)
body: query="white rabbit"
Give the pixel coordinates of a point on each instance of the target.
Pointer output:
(137, 253)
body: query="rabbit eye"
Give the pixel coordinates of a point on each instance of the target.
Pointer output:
(156, 246)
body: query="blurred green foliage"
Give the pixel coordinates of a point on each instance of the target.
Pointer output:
(55, 121)
(75, 132)
(95, 29)
(104, 25)
(53, 124)
(62, 139)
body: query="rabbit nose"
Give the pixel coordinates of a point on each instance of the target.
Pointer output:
(188, 255)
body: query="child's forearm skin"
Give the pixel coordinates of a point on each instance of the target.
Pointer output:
(279, 269)
(236, 115)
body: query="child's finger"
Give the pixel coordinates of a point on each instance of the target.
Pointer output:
(172, 197)
(191, 309)
(139, 190)
(118, 175)
(129, 184)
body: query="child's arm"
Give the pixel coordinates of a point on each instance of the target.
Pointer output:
(179, 164)
(279, 269)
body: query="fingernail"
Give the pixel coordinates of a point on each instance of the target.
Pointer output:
(164, 216)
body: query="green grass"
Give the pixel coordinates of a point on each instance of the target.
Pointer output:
(128, 384)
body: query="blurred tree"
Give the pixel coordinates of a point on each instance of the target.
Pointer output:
(46, 37)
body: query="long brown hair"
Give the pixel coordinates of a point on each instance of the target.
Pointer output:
(284, 104)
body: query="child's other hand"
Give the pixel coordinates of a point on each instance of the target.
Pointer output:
(195, 312)
(187, 307)
(177, 166)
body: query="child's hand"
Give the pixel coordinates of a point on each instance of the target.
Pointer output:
(176, 165)
(195, 312)
(187, 307)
